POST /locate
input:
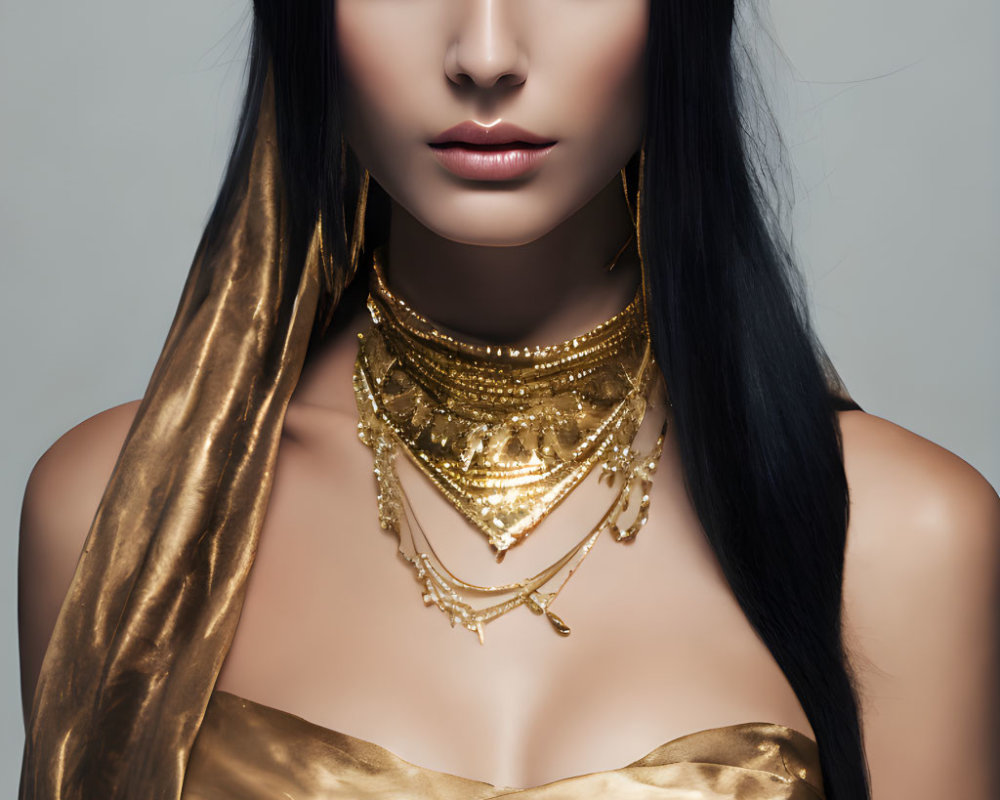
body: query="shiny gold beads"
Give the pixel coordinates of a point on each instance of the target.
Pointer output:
(505, 434)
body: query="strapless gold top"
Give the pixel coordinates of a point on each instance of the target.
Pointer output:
(248, 751)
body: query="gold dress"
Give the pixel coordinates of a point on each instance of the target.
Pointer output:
(249, 751)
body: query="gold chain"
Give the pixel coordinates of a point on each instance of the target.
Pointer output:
(505, 433)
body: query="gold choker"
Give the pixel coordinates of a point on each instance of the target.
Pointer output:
(504, 433)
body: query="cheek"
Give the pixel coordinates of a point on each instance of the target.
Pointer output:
(601, 92)
(378, 92)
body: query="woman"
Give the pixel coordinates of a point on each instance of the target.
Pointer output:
(377, 145)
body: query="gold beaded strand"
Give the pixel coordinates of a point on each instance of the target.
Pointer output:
(505, 433)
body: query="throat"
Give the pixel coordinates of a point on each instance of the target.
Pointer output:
(542, 292)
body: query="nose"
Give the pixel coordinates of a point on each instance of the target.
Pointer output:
(485, 51)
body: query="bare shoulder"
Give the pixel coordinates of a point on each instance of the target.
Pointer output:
(921, 592)
(60, 500)
(881, 456)
(917, 502)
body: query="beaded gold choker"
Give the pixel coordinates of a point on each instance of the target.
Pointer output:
(504, 433)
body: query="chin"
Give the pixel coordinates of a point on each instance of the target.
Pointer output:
(494, 238)
(492, 228)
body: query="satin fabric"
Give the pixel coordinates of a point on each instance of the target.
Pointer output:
(156, 596)
(248, 751)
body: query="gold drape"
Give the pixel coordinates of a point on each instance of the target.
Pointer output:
(249, 751)
(155, 600)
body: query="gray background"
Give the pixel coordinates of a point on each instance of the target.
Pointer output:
(116, 119)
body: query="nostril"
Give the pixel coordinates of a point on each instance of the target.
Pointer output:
(504, 81)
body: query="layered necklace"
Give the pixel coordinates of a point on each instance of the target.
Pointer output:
(505, 434)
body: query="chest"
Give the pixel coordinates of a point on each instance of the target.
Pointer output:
(333, 629)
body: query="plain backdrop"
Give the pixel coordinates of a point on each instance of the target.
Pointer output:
(115, 121)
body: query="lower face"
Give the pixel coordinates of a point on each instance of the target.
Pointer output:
(568, 72)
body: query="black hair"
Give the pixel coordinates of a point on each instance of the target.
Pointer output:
(754, 412)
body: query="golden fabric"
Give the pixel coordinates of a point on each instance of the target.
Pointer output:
(156, 596)
(248, 751)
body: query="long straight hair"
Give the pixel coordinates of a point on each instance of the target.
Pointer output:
(755, 416)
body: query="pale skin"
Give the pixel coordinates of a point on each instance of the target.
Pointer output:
(333, 628)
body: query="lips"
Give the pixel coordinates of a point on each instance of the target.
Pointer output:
(499, 133)
(498, 152)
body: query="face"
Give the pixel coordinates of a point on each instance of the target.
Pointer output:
(547, 96)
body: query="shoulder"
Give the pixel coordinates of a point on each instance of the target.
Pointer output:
(76, 466)
(921, 591)
(60, 499)
(906, 491)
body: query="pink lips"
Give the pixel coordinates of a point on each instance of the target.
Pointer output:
(496, 153)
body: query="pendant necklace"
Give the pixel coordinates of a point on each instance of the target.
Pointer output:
(505, 434)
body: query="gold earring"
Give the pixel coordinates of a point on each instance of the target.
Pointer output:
(633, 216)
(628, 199)
(638, 224)
(335, 280)
(357, 241)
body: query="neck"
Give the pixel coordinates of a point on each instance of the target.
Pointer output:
(543, 292)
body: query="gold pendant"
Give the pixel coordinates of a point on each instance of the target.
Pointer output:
(473, 606)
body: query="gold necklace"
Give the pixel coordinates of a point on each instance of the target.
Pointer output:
(505, 434)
